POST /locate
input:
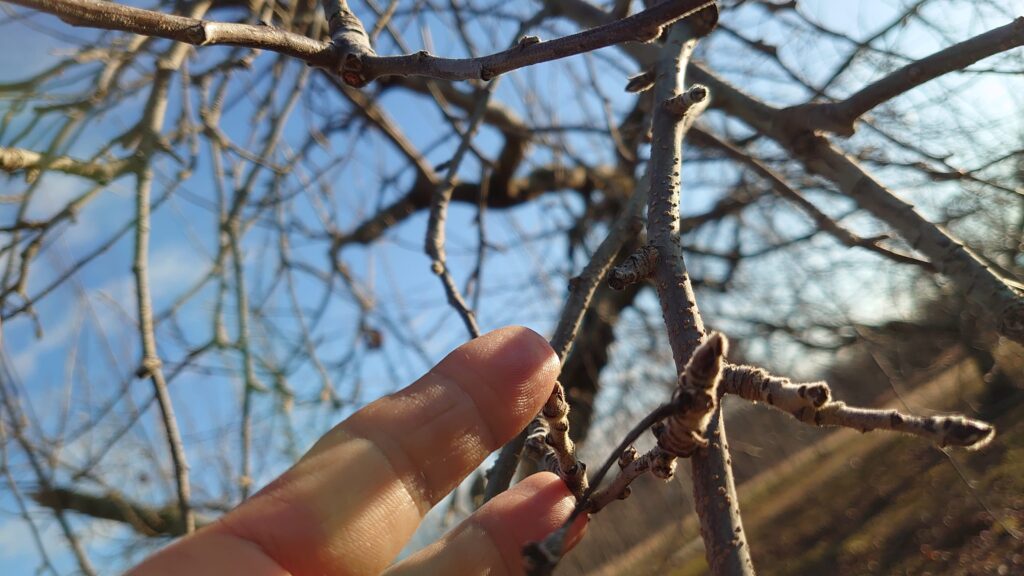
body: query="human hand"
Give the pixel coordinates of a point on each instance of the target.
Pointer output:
(353, 501)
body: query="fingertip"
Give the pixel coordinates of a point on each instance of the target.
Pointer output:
(518, 351)
(529, 512)
(508, 372)
(576, 532)
(496, 534)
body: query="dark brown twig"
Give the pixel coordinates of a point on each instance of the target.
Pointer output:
(350, 54)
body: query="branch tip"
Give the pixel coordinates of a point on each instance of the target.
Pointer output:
(681, 104)
(641, 82)
(639, 266)
(812, 403)
(695, 398)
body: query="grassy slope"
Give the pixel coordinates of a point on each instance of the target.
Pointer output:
(875, 504)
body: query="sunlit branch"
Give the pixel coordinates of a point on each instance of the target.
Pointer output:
(151, 366)
(714, 490)
(32, 162)
(839, 117)
(812, 403)
(194, 31)
(358, 64)
(947, 254)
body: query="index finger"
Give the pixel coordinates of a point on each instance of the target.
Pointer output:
(354, 500)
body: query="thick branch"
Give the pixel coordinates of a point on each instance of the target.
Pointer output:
(714, 489)
(821, 220)
(360, 65)
(112, 16)
(839, 117)
(146, 520)
(349, 54)
(951, 258)
(17, 159)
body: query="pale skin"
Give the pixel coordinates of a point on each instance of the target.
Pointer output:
(354, 500)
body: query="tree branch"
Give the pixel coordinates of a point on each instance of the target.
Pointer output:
(515, 192)
(581, 288)
(839, 117)
(145, 520)
(682, 433)
(151, 365)
(713, 486)
(542, 557)
(812, 404)
(18, 159)
(194, 31)
(821, 220)
(359, 65)
(349, 54)
(950, 257)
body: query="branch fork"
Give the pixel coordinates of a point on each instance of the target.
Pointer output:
(682, 433)
(350, 41)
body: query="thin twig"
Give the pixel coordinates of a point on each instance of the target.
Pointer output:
(150, 367)
(542, 557)
(16, 419)
(581, 292)
(435, 241)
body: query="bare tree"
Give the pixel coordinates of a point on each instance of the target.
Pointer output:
(272, 175)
